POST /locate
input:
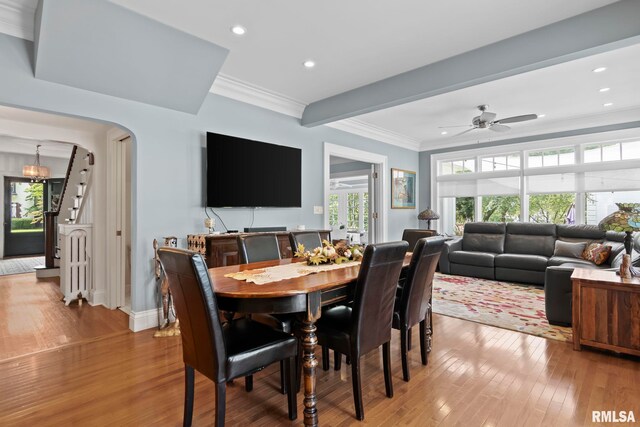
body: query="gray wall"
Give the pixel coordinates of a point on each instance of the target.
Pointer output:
(168, 157)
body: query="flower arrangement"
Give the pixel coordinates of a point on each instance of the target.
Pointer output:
(330, 254)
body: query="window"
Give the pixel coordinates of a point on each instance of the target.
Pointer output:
(609, 152)
(365, 210)
(500, 163)
(552, 208)
(452, 167)
(465, 207)
(27, 207)
(598, 205)
(555, 157)
(334, 203)
(353, 211)
(500, 208)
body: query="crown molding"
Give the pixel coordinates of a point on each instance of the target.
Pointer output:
(367, 130)
(17, 18)
(245, 92)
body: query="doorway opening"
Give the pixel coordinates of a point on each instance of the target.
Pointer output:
(355, 194)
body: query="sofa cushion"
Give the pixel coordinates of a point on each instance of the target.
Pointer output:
(561, 260)
(616, 248)
(484, 237)
(522, 261)
(530, 238)
(579, 232)
(597, 253)
(480, 259)
(569, 249)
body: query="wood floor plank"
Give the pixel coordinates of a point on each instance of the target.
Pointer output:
(97, 375)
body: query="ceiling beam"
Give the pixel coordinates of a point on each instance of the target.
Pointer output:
(600, 30)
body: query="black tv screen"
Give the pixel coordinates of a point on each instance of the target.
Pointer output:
(246, 173)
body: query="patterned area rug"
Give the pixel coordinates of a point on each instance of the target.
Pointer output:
(505, 305)
(19, 265)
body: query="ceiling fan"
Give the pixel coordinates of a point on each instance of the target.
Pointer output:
(486, 120)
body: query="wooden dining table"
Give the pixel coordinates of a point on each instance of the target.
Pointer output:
(304, 295)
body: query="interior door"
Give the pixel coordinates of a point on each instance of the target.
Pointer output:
(24, 205)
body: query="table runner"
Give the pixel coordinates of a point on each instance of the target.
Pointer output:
(261, 276)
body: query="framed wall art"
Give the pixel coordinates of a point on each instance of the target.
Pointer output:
(403, 189)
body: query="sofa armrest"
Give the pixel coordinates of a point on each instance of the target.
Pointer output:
(558, 293)
(448, 247)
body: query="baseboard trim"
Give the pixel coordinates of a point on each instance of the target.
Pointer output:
(42, 272)
(141, 320)
(98, 298)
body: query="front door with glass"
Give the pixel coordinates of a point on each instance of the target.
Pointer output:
(24, 205)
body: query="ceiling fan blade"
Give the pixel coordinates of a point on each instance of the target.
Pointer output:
(498, 127)
(516, 119)
(487, 116)
(458, 126)
(465, 131)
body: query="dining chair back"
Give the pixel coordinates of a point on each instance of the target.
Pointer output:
(366, 324)
(413, 302)
(309, 239)
(412, 235)
(258, 247)
(220, 352)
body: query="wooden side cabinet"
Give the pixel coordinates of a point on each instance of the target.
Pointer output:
(220, 250)
(606, 311)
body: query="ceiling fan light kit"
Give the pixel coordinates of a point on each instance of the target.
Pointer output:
(486, 120)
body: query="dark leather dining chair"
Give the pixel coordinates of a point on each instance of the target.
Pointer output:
(264, 247)
(309, 239)
(220, 352)
(259, 247)
(366, 325)
(412, 235)
(413, 299)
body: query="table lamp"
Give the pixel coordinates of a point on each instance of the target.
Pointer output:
(625, 219)
(428, 215)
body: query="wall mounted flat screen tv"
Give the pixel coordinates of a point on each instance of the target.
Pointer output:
(246, 173)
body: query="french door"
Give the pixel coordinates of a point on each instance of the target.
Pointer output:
(24, 206)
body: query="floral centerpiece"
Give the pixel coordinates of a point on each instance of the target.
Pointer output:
(330, 254)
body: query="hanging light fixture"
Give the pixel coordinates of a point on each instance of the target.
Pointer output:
(36, 172)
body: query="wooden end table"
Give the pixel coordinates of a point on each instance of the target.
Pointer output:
(606, 311)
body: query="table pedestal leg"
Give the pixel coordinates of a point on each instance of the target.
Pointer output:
(309, 342)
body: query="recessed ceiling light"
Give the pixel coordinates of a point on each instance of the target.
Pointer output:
(599, 69)
(309, 63)
(444, 132)
(541, 115)
(608, 104)
(238, 30)
(605, 89)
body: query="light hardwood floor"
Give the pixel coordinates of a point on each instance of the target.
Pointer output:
(477, 376)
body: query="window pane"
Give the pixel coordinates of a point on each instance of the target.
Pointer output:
(500, 163)
(550, 159)
(458, 166)
(465, 208)
(592, 154)
(365, 213)
(535, 160)
(610, 152)
(487, 164)
(469, 166)
(500, 208)
(552, 208)
(27, 207)
(631, 150)
(333, 209)
(513, 161)
(445, 168)
(353, 211)
(599, 205)
(567, 158)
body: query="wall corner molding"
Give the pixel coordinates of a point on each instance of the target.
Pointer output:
(17, 19)
(141, 320)
(245, 92)
(367, 130)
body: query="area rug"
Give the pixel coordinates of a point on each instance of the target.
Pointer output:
(505, 305)
(19, 265)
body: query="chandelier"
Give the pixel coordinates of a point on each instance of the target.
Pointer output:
(36, 172)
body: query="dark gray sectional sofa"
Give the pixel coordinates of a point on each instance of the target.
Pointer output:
(527, 253)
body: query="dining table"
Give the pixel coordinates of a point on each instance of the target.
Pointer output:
(305, 295)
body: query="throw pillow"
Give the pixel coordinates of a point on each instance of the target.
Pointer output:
(597, 253)
(568, 249)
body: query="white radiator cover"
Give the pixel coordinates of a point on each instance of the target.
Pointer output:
(76, 260)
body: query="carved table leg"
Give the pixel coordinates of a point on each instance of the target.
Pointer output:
(309, 364)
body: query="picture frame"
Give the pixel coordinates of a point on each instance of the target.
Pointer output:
(403, 189)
